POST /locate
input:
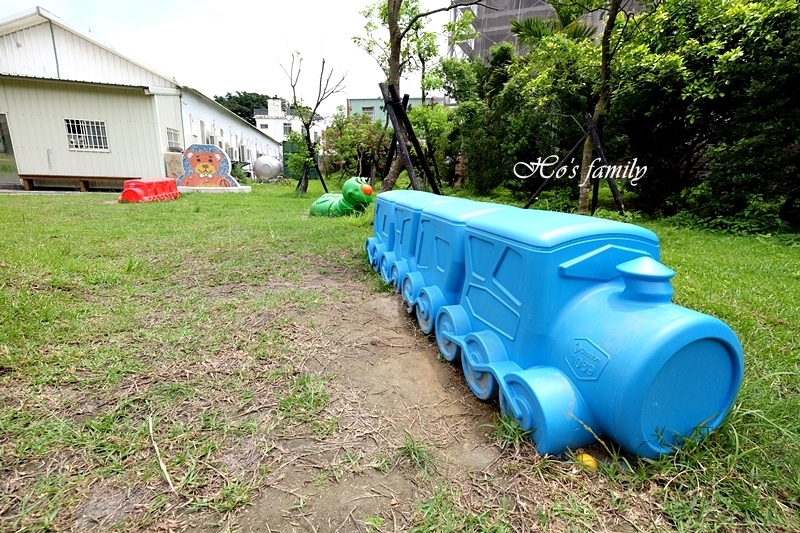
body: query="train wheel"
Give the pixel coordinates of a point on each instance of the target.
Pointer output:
(407, 290)
(386, 261)
(399, 269)
(374, 252)
(505, 405)
(369, 243)
(451, 321)
(428, 304)
(411, 286)
(523, 404)
(482, 383)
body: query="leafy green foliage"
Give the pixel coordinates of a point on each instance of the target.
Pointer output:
(566, 22)
(703, 96)
(243, 103)
(526, 110)
(377, 18)
(355, 144)
(433, 125)
(462, 79)
(299, 159)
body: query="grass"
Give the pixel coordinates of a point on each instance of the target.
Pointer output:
(417, 453)
(113, 313)
(189, 314)
(507, 432)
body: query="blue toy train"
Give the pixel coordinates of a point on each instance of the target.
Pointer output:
(567, 319)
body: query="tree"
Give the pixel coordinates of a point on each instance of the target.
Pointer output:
(400, 17)
(566, 22)
(355, 143)
(325, 89)
(433, 124)
(301, 160)
(243, 103)
(710, 83)
(613, 10)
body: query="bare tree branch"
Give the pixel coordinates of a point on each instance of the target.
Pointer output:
(325, 89)
(439, 10)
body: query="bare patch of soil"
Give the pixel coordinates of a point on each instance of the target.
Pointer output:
(397, 441)
(389, 388)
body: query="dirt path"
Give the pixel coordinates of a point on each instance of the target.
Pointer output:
(412, 445)
(391, 397)
(322, 408)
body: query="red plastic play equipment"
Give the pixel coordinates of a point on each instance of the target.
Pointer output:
(149, 190)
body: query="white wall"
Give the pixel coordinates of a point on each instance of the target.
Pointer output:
(275, 127)
(36, 110)
(202, 117)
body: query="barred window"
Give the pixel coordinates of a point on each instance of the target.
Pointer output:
(173, 138)
(86, 135)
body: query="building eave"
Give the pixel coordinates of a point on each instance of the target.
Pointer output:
(224, 109)
(38, 15)
(41, 79)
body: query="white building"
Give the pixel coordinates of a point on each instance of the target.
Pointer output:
(73, 111)
(277, 121)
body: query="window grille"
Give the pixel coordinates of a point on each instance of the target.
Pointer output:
(86, 135)
(173, 138)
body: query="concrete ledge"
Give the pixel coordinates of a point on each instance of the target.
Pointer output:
(241, 188)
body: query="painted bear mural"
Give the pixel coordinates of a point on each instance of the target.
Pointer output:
(205, 165)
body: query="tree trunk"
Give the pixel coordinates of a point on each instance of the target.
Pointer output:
(600, 108)
(302, 185)
(394, 172)
(460, 171)
(395, 43)
(787, 207)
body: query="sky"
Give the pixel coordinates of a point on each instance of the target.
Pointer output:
(225, 46)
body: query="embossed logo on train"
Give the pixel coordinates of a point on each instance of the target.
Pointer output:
(586, 359)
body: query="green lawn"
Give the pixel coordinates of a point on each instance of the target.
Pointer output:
(107, 321)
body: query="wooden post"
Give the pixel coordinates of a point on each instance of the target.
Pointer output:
(414, 141)
(610, 180)
(393, 144)
(535, 196)
(400, 134)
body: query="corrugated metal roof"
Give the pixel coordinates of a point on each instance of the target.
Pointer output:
(106, 66)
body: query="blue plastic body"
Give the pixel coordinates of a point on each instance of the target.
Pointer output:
(400, 257)
(567, 319)
(384, 231)
(436, 275)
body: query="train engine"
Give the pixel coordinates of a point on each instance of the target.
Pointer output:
(566, 319)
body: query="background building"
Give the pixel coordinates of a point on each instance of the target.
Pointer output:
(278, 120)
(376, 109)
(75, 112)
(493, 22)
